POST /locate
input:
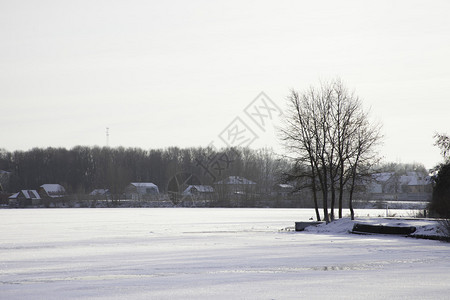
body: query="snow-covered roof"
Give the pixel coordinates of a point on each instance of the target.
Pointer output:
(14, 196)
(285, 186)
(99, 192)
(199, 188)
(50, 187)
(382, 177)
(144, 184)
(28, 194)
(53, 190)
(145, 187)
(411, 178)
(31, 194)
(234, 180)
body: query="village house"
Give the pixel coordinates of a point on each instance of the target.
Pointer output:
(414, 182)
(202, 192)
(25, 198)
(141, 191)
(391, 186)
(54, 191)
(237, 185)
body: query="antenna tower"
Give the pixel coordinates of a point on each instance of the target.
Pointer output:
(107, 136)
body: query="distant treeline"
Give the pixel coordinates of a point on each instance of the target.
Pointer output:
(83, 169)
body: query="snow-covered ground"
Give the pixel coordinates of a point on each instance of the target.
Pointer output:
(204, 253)
(424, 227)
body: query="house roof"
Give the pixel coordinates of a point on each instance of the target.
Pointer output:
(28, 194)
(414, 178)
(53, 190)
(285, 186)
(200, 188)
(32, 194)
(144, 184)
(50, 187)
(145, 187)
(235, 180)
(14, 196)
(382, 177)
(99, 192)
(411, 178)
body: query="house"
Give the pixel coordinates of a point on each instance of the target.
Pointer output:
(390, 182)
(141, 190)
(393, 186)
(199, 191)
(52, 191)
(379, 182)
(414, 182)
(237, 185)
(25, 198)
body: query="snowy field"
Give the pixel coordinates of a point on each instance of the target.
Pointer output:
(205, 253)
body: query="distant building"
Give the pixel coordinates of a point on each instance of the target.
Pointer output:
(141, 190)
(392, 186)
(414, 182)
(25, 198)
(237, 185)
(52, 191)
(199, 191)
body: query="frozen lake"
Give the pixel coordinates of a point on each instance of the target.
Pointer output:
(208, 253)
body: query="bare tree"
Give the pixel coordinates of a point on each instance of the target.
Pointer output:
(363, 156)
(298, 138)
(305, 136)
(328, 130)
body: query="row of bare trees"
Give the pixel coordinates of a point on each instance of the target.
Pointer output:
(331, 141)
(83, 169)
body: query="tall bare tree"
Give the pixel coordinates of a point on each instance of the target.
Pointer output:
(327, 129)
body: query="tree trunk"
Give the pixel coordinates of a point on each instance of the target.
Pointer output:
(314, 190)
(325, 206)
(341, 195)
(325, 198)
(341, 191)
(316, 206)
(333, 200)
(350, 198)
(350, 204)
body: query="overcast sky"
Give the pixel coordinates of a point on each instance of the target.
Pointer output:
(181, 73)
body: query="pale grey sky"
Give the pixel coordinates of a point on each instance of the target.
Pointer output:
(177, 73)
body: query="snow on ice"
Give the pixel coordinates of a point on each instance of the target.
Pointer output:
(204, 253)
